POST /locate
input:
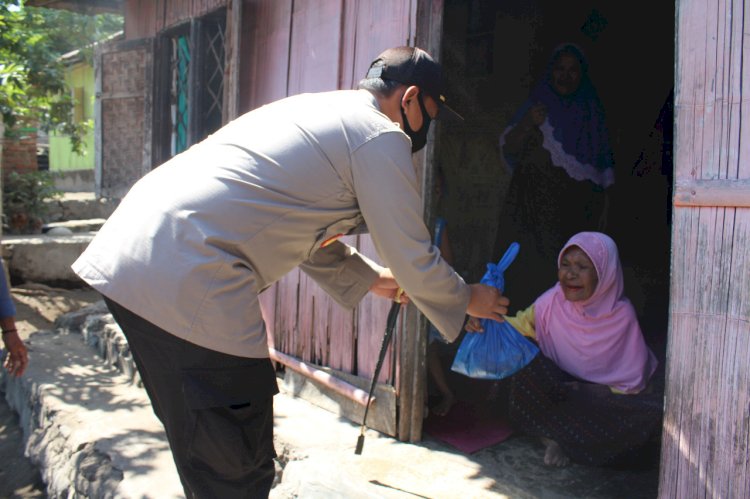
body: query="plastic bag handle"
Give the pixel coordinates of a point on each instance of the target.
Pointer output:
(509, 256)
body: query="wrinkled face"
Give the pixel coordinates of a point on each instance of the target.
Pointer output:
(577, 275)
(566, 74)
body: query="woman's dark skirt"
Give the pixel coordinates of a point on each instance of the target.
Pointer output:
(592, 425)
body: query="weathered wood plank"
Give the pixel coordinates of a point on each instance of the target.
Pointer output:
(141, 18)
(368, 28)
(266, 48)
(725, 192)
(286, 313)
(341, 347)
(707, 411)
(743, 103)
(371, 320)
(307, 310)
(428, 22)
(314, 372)
(350, 73)
(231, 100)
(382, 413)
(314, 64)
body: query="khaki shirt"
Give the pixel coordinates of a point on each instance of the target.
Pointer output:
(195, 240)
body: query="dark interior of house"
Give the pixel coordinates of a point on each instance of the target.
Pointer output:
(494, 53)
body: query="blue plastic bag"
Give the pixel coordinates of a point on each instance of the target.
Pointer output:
(500, 350)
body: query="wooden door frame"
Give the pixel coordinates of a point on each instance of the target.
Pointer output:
(412, 380)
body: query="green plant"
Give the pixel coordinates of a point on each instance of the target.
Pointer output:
(33, 89)
(25, 200)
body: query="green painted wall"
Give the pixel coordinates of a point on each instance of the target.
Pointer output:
(80, 78)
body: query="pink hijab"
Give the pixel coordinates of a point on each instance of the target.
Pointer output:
(598, 340)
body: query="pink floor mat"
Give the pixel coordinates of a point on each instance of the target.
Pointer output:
(467, 428)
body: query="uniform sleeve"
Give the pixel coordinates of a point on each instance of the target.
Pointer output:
(523, 321)
(7, 307)
(342, 272)
(386, 187)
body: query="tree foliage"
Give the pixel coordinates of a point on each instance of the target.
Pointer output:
(33, 91)
(25, 200)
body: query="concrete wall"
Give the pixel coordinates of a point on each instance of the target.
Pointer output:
(74, 180)
(44, 259)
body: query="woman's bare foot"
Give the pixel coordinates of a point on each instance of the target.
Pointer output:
(444, 407)
(554, 455)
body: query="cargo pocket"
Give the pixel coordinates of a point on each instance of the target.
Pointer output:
(229, 430)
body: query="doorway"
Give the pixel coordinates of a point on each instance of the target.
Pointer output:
(494, 53)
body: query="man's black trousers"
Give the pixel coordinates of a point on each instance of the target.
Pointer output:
(217, 409)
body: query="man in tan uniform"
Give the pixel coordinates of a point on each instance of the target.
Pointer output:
(183, 258)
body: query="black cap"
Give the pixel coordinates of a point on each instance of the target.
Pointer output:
(412, 66)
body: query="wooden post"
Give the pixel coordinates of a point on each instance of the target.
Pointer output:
(413, 353)
(232, 70)
(195, 85)
(98, 60)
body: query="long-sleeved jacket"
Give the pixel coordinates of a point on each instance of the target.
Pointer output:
(195, 240)
(7, 307)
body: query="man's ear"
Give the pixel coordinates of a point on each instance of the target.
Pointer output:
(411, 93)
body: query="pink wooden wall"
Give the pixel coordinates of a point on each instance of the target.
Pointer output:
(707, 413)
(294, 47)
(146, 18)
(265, 52)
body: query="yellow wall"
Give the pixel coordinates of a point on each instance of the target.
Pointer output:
(80, 78)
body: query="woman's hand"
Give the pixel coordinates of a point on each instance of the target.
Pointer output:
(385, 285)
(18, 357)
(537, 114)
(474, 325)
(486, 302)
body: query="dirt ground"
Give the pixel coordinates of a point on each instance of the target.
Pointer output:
(37, 307)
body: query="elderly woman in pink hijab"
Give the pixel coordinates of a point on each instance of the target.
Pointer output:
(587, 396)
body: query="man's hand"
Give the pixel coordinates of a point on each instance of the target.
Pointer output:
(18, 357)
(387, 287)
(486, 302)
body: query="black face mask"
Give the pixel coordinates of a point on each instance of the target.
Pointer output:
(418, 138)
